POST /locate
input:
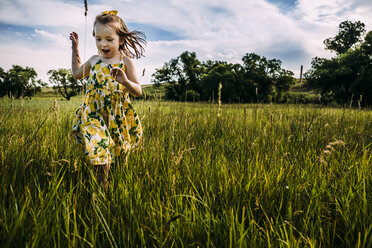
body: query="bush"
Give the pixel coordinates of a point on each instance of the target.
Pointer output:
(301, 97)
(191, 96)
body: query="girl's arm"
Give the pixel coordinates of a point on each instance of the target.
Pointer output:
(78, 70)
(128, 78)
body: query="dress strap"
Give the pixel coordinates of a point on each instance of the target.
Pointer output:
(98, 60)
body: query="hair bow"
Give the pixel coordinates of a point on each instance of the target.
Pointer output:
(110, 12)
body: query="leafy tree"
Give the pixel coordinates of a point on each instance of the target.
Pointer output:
(191, 70)
(270, 80)
(235, 87)
(345, 78)
(19, 82)
(65, 83)
(164, 74)
(2, 76)
(349, 34)
(362, 86)
(182, 74)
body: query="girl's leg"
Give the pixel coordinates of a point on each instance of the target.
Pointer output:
(102, 173)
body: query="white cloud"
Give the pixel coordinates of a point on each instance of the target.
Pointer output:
(40, 13)
(58, 39)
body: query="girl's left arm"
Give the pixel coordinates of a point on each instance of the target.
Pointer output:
(128, 78)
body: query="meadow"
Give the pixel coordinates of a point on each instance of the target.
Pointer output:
(259, 175)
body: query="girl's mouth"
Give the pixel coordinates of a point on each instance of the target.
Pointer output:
(105, 51)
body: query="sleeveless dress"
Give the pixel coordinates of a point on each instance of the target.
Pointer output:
(106, 125)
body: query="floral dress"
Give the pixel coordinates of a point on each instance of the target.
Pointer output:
(106, 124)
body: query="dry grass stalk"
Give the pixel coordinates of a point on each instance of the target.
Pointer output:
(219, 100)
(329, 149)
(360, 102)
(55, 106)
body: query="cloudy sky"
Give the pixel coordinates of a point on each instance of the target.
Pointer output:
(35, 32)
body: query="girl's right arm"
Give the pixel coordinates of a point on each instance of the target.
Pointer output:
(78, 70)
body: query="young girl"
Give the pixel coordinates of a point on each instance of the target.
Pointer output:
(106, 124)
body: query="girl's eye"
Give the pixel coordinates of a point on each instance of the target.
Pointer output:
(98, 39)
(109, 39)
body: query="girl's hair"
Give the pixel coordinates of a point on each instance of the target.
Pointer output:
(134, 41)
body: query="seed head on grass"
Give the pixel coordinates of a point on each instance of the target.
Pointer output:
(219, 100)
(329, 149)
(55, 106)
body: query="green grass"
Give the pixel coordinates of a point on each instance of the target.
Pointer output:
(258, 176)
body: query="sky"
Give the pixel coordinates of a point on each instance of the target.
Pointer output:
(36, 33)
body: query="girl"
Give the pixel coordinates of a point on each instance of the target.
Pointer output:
(106, 124)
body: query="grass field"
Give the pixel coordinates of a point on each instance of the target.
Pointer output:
(257, 176)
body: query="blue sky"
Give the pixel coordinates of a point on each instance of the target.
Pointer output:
(35, 33)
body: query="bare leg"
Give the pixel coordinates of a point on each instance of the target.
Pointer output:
(102, 173)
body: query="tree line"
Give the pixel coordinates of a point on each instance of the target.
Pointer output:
(344, 79)
(257, 79)
(19, 82)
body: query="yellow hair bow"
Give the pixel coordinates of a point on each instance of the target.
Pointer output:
(110, 12)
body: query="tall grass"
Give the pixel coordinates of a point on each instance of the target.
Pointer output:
(257, 176)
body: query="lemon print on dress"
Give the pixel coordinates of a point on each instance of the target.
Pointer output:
(105, 70)
(97, 67)
(95, 142)
(133, 122)
(102, 134)
(96, 122)
(100, 77)
(82, 129)
(102, 153)
(130, 114)
(89, 147)
(96, 97)
(92, 107)
(113, 124)
(89, 99)
(92, 130)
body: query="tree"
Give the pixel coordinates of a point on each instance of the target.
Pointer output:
(191, 70)
(19, 82)
(65, 83)
(2, 76)
(162, 75)
(235, 86)
(362, 87)
(349, 34)
(270, 80)
(182, 74)
(345, 78)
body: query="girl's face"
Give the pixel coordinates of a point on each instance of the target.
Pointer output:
(107, 40)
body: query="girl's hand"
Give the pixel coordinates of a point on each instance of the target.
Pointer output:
(119, 76)
(74, 37)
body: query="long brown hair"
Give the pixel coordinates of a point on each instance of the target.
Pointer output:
(134, 41)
